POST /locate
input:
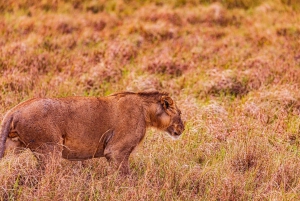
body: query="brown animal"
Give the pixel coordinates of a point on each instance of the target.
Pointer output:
(90, 127)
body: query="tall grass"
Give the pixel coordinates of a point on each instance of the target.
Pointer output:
(232, 66)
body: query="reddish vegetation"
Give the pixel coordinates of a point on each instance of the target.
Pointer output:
(232, 67)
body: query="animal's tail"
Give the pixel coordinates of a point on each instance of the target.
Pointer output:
(5, 128)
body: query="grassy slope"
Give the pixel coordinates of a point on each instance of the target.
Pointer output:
(234, 72)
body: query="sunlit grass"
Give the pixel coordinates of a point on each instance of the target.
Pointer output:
(232, 67)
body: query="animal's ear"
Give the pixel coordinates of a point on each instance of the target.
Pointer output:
(166, 101)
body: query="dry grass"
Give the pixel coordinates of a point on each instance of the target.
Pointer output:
(232, 67)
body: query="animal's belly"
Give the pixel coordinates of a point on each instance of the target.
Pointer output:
(79, 148)
(82, 152)
(74, 156)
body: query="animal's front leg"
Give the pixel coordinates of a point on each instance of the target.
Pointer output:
(118, 158)
(122, 163)
(120, 146)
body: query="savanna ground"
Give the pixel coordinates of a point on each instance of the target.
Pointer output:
(232, 66)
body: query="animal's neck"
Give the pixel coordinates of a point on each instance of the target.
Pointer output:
(150, 115)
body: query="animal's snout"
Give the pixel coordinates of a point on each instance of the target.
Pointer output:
(181, 125)
(179, 128)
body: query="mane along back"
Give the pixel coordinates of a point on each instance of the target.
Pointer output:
(152, 94)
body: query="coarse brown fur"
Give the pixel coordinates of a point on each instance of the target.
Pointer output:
(89, 127)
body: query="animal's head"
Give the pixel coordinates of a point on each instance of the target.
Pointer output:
(169, 117)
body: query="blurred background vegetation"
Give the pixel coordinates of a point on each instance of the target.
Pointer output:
(233, 67)
(111, 5)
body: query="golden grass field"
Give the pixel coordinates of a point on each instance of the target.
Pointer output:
(233, 68)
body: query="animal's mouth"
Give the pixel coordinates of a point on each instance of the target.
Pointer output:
(173, 133)
(176, 134)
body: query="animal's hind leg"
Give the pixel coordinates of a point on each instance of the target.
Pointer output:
(48, 154)
(14, 145)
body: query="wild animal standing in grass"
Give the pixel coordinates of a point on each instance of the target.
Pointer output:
(89, 127)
